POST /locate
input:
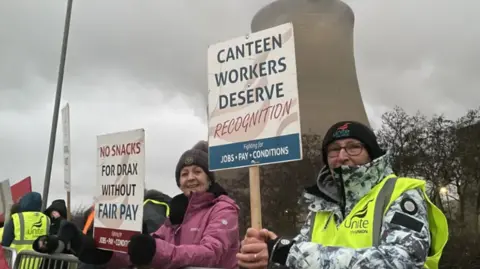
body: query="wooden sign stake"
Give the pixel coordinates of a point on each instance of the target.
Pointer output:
(255, 198)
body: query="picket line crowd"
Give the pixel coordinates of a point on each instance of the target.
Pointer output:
(361, 215)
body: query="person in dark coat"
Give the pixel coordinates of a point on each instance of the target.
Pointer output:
(79, 240)
(156, 210)
(68, 240)
(57, 212)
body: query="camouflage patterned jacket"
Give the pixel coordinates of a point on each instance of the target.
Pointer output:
(400, 247)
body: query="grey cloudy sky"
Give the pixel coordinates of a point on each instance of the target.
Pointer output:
(142, 64)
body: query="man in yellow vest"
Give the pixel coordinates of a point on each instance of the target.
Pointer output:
(26, 225)
(361, 215)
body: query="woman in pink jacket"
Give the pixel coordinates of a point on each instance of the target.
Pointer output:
(202, 229)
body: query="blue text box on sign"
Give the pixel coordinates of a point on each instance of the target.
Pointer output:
(255, 152)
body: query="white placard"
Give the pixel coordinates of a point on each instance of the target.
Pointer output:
(67, 172)
(253, 106)
(120, 188)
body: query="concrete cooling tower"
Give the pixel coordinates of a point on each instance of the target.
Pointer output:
(327, 80)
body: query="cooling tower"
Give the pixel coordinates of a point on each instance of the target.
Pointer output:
(327, 80)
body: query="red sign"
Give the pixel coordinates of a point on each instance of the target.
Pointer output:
(20, 188)
(113, 239)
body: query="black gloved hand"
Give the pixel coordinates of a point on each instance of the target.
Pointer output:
(141, 249)
(178, 206)
(278, 249)
(46, 244)
(90, 254)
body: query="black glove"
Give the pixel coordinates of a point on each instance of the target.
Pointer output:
(67, 235)
(141, 249)
(178, 206)
(46, 244)
(278, 249)
(90, 254)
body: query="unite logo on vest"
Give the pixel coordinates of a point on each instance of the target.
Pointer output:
(36, 229)
(356, 223)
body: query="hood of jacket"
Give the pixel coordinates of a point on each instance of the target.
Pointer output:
(31, 201)
(59, 206)
(347, 185)
(157, 196)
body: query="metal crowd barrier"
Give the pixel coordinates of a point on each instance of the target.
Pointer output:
(28, 259)
(10, 255)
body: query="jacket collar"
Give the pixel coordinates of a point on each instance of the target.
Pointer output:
(200, 200)
(183, 207)
(351, 182)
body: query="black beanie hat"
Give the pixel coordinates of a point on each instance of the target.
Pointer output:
(198, 155)
(356, 130)
(59, 206)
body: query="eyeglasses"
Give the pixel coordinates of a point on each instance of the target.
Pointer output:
(352, 149)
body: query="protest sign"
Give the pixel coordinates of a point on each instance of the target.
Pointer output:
(66, 147)
(253, 106)
(6, 200)
(120, 189)
(21, 188)
(67, 171)
(254, 115)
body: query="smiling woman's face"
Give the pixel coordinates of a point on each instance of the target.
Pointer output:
(193, 179)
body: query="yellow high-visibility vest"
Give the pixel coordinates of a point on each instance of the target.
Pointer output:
(362, 227)
(28, 227)
(159, 203)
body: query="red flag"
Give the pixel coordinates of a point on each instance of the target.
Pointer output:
(21, 188)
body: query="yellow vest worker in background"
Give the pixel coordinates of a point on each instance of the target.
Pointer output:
(24, 227)
(361, 214)
(31, 225)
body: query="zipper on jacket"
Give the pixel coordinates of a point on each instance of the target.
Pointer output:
(343, 202)
(328, 221)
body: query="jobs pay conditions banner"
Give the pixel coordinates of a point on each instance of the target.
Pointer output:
(119, 189)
